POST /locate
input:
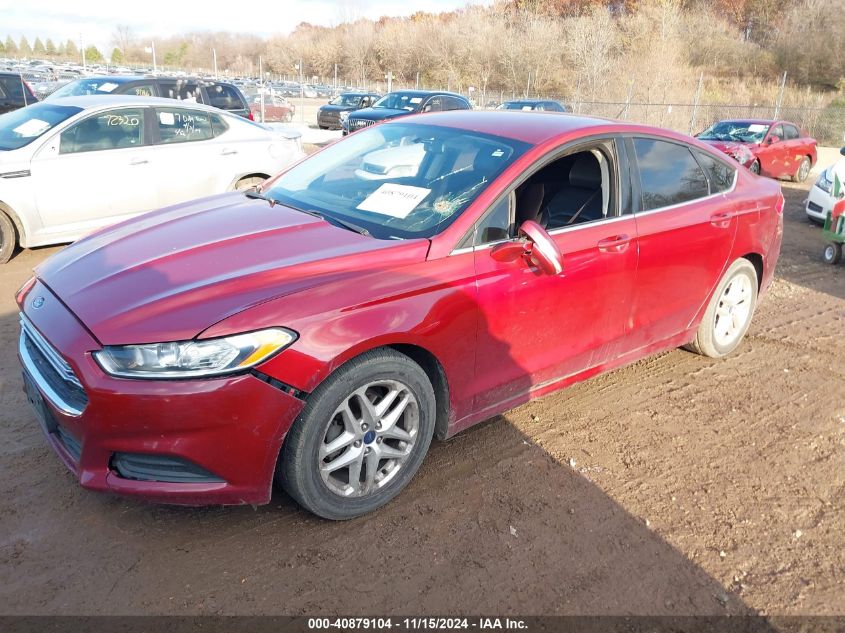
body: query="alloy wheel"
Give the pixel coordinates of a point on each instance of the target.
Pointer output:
(368, 438)
(803, 170)
(733, 311)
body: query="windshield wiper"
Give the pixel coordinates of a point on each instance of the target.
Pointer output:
(257, 195)
(344, 224)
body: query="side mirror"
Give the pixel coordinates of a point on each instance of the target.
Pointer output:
(773, 139)
(540, 249)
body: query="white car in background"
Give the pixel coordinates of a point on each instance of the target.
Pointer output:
(72, 165)
(820, 198)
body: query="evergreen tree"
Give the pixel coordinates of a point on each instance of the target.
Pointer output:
(11, 47)
(117, 56)
(61, 51)
(93, 55)
(38, 48)
(50, 48)
(24, 48)
(71, 51)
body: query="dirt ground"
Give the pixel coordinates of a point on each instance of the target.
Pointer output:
(678, 485)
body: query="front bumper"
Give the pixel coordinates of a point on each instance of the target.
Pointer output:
(226, 431)
(330, 120)
(818, 203)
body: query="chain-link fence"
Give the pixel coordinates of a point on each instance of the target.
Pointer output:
(826, 125)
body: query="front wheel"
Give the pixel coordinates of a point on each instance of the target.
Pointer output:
(288, 117)
(360, 438)
(729, 312)
(832, 253)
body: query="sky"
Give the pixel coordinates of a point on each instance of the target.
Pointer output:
(94, 21)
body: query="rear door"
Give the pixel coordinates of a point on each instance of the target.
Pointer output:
(774, 153)
(685, 228)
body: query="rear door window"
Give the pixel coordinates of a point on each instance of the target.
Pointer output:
(669, 174)
(720, 175)
(224, 97)
(12, 89)
(140, 90)
(113, 129)
(790, 132)
(178, 125)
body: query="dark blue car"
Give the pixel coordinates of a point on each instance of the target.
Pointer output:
(404, 102)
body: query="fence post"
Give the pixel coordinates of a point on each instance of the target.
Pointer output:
(628, 99)
(577, 103)
(695, 105)
(780, 96)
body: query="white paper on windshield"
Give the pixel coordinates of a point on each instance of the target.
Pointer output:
(394, 200)
(30, 128)
(416, 99)
(527, 108)
(757, 127)
(107, 87)
(166, 118)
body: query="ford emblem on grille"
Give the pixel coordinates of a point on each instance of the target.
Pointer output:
(37, 303)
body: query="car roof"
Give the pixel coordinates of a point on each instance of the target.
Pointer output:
(94, 101)
(426, 93)
(537, 127)
(755, 121)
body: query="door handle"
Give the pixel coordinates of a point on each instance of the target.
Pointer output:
(228, 152)
(722, 219)
(138, 161)
(615, 244)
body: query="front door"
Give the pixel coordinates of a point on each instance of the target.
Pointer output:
(534, 327)
(95, 172)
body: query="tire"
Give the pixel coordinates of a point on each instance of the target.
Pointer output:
(248, 183)
(288, 117)
(754, 167)
(832, 253)
(803, 170)
(304, 466)
(732, 304)
(8, 238)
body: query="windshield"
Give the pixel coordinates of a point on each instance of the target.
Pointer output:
(516, 105)
(82, 87)
(21, 127)
(346, 100)
(397, 180)
(400, 101)
(736, 131)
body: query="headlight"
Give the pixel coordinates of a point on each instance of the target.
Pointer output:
(741, 154)
(823, 183)
(193, 359)
(344, 115)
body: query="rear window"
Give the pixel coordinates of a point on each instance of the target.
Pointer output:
(82, 87)
(182, 90)
(224, 97)
(720, 175)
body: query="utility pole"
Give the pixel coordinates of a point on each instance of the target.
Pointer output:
(780, 96)
(261, 91)
(214, 57)
(153, 48)
(389, 77)
(695, 105)
(82, 50)
(335, 77)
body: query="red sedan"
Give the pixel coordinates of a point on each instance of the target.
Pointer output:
(778, 149)
(403, 284)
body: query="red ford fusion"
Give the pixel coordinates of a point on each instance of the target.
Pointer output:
(405, 283)
(771, 148)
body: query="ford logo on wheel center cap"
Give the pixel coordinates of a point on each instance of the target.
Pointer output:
(37, 303)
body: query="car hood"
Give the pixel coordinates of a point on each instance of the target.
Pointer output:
(728, 146)
(378, 114)
(336, 108)
(170, 274)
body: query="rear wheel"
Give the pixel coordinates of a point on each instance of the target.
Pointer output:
(729, 312)
(8, 238)
(754, 168)
(360, 438)
(288, 117)
(803, 171)
(832, 253)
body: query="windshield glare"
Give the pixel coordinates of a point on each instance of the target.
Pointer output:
(82, 87)
(21, 127)
(736, 131)
(397, 180)
(400, 101)
(345, 100)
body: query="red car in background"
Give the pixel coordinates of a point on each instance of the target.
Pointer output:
(416, 278)
(276, 108)
(778, 149)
